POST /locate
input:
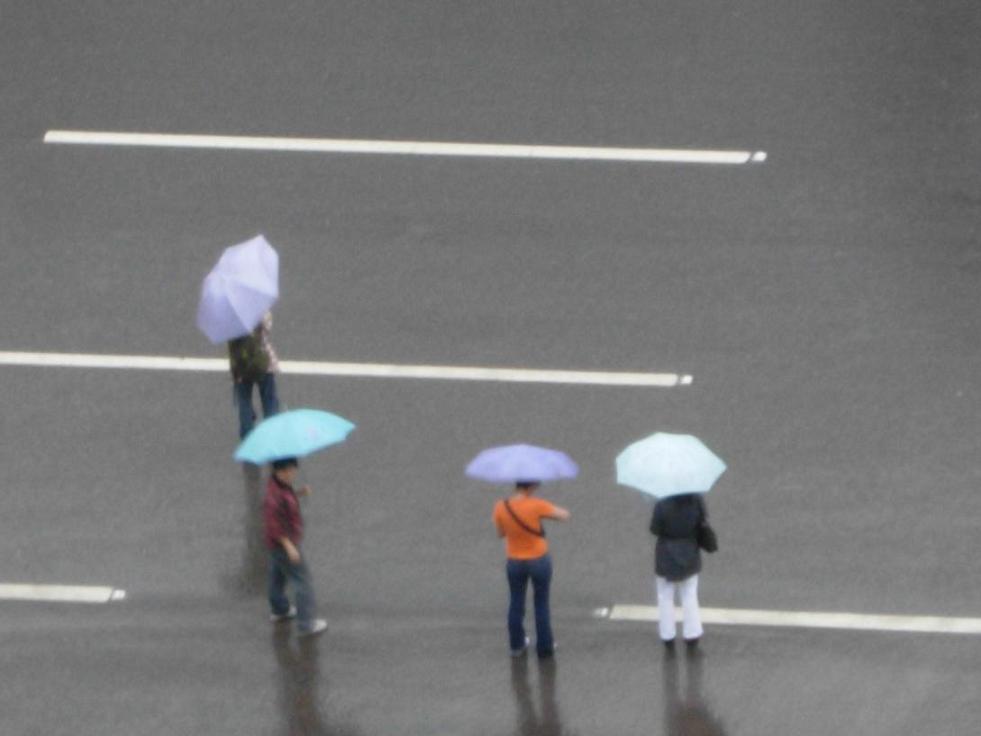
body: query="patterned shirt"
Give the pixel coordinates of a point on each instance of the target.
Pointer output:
(281, 513)
(265, 328)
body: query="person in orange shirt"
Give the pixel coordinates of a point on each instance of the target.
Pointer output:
(519, 520)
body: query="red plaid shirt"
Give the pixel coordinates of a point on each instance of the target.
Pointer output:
(281, 512)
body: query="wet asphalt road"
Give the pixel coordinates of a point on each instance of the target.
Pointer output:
(825, 303)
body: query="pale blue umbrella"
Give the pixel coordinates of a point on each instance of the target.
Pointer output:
(295, 433)
(515, 463)
(664, 465)
(239, 290)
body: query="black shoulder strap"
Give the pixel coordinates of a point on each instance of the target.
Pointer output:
(537, 532)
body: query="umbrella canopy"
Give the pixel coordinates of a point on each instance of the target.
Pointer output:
(241, 287)
(296, 433)
(664, 465)
(514, 463)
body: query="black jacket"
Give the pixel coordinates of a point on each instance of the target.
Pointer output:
(674, 523)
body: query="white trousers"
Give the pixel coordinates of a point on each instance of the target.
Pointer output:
(687, 590)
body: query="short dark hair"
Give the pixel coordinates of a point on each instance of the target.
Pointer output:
(526, 484)
(285, 462)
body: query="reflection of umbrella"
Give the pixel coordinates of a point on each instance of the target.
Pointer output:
(669, 465)
(514, 463)
(296, 433)
(239, 290)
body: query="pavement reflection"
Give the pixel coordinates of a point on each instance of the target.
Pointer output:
(299, 675)
(545, 720)
(687, 711)
(251, 575)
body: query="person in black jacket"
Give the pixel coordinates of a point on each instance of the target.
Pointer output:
(677, 562)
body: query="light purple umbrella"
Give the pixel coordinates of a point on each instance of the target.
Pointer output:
(239, 290)
(514, 463)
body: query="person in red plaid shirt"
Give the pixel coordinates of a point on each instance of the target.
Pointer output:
(283, 533)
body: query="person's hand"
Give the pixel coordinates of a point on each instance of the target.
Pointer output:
(305, 490)
(560, 514)
(292, 552)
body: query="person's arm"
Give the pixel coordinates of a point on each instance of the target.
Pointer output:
(277, 529)
(557, 513)
(291, 551)
(231, 362)
(497, 520)
(702, 509)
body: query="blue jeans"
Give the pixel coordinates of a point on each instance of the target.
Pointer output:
(243, 399)
(540, 572)
(281, 570)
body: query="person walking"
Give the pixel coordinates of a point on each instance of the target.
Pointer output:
(253, 363)
(677, 562)
(519, 520)
(283, 533)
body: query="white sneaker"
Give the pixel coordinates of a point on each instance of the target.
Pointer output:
(519, 652)
(280, 617)
(317, 626)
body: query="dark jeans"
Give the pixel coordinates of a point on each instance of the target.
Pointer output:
(540, 572)
(281, 570)
(243, 399)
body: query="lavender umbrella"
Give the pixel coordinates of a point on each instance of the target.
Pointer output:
(239, 290)
(514, 463)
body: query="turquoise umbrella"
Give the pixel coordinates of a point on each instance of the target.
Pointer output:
(664, 465)
(296, 433)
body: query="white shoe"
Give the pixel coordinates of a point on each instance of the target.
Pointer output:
(519, 652)
(317, 626)
(280, 617)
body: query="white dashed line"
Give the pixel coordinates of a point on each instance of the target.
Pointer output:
(406, 148)
(60, 593)
(807, 619)
(357, 370)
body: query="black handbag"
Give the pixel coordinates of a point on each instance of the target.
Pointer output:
(705, 536)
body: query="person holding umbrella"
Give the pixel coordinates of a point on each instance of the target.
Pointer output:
(519, 519)
(254, 364)
(284, 530)
(676, 469)
(280, 440)
(677, 562)
(236, 296)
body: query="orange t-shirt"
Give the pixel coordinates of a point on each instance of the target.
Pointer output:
(521, 544)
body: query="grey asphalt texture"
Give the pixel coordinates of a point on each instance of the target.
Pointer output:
(826, 303)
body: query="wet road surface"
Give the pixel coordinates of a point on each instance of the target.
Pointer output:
(825, 303)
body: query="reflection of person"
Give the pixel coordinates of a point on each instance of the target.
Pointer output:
(545, 721)
(677, 563)
(298, 685)
(253, 363)
(284, 530)
(299, 677)
(251, 577)
(687, 714)
(519, 520)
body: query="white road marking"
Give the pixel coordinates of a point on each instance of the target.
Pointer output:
(808, 619)
(360, 370)
(60, 593)
(407, 148)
